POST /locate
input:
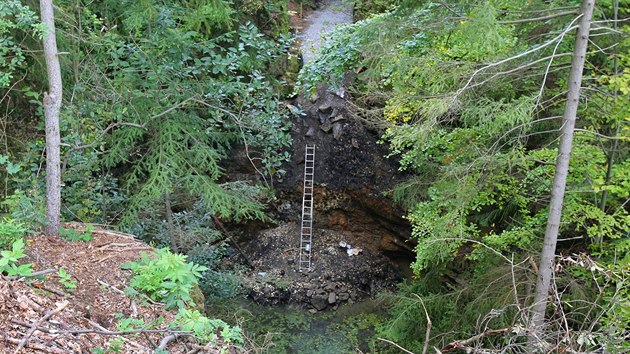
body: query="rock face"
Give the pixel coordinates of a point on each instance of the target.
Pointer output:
(351, 205)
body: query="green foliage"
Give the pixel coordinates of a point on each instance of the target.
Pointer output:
(66, 280)
(364, 9)
(76, 235)
(197, 237)
(10, 258)
(129, 323)
(206, 329)
(14, 17)
(165, 277)
(10, 231)
(472, 103)
(27, 208)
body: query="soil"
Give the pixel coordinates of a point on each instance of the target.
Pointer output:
(352, 204)
(95, 305)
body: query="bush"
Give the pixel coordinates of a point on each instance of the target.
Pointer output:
(10, 231)
(166, 277)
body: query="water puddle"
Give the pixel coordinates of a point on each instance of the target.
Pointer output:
(278, 329)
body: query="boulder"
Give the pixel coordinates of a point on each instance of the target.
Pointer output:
(332, 298)
(319, 302)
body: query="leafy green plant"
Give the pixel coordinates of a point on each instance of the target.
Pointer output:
(10, 258)
(13, 17)
(10, 231)
(128, 323)
(206, 329)
(76, 235)
(66, 279)
(166, 277)
(27, 208)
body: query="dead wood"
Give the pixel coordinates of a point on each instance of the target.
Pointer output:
(462, 344)
(35, 346)
(34, 326)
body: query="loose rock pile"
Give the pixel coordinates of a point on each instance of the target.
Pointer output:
(335, 278)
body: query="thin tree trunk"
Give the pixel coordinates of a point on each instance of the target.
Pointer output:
(52, 106)
(170, 224)
(546, 264)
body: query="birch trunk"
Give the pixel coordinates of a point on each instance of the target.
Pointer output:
(52, 106)
(546, 264)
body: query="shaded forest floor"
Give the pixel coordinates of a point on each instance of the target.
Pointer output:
(88, 318)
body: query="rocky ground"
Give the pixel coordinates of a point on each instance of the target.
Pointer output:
(352, 206)
(343, 269)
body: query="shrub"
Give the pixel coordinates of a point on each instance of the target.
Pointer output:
(10, 231)
(166, 277)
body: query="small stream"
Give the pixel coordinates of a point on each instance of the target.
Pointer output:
(346, 330)
(330, 14)
(282, 329)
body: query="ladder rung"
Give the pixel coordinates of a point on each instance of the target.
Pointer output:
(306, 231)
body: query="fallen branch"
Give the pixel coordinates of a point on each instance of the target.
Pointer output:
(171, 337)
(396, 345)
(34, 274)
(34, 346)
(117, 244)
(103, 330)
(34, 326)
(462, 344)
(123, 293)
(100, 330)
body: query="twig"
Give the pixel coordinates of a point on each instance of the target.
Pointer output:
(34, 326)
(34, 274)
(427, 335)
(34, 346)
(396, 345)
(522, 20)
(101, 330)
(144, 248)
(461, 344)
(117, 244)
(111, 287)
(171, 337)
(123, 293)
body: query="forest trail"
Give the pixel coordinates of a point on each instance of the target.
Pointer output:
(330, 14)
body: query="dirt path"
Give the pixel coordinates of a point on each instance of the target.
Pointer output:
(330, 14)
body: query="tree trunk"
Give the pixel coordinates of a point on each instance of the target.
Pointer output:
(546, 264)
(52, 106)
(173, 235)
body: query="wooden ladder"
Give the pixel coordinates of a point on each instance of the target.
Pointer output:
(306, 233)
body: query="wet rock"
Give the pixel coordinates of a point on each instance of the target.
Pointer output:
(310, 132)
(327, 127)
(323, 117)
(337, 118)
(337, 129)
(319, 302)
(332, 298)
(325, 108)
